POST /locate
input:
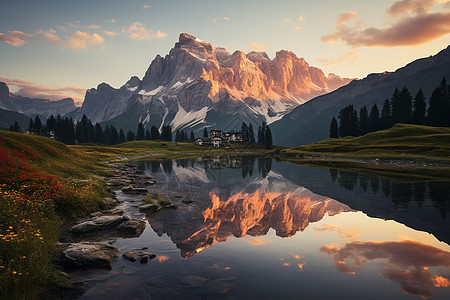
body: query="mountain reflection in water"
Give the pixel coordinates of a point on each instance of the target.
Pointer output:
(246, 198)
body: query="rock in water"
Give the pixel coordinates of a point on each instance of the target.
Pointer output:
(87, 254)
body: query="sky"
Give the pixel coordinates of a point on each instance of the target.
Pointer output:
(57, 49)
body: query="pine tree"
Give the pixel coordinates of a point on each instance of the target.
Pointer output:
(50, 124)
(364, 121)
(148, 135)
(251, 134)
(386, 116)
(37, 125)
(16, 127)
(185, 137)
(31, 125)
(122, 138)
(438, 105)
(405, 106)
(396, 106)
(177, 136)
(268, 138)
(98, 133)
(262, 134)
(11, 128)
(192, 138)
(205, 133)
(334, 128)
(113, 135)
(106, 135)
(130, 136)
(419, 108)
(245, 134)
(155, 133)
(140, 134)
(348, 122)
(374, 119)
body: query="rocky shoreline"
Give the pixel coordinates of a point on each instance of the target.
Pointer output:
(88, 242)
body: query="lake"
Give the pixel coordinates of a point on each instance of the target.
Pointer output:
(262, 229)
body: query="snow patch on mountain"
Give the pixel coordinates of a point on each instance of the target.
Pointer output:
(192, 117)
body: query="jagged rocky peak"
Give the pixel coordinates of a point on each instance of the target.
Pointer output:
(188, 41)
(256, 56)
(133, 82)
(4, 90)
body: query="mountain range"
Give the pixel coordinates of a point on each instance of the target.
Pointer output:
(198, 85)
(12, 104)
(310, 122)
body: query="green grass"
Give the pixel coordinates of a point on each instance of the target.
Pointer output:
(402, 141)
(423, 152)
(30, 227)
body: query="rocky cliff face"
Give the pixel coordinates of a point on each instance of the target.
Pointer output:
(31, 107)
(198, 85)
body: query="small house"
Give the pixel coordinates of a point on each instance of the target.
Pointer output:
(202, 141)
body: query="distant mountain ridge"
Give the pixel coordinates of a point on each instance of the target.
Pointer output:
(310, 122)
(33, 106)
(199, 85)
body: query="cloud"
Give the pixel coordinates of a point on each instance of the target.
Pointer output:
(145, 6)
(92, 26)
(61, 28)
(76, 40)
(410, 30)
(51, 37)
(80, 40)
(342, 231)
(405, 262)
(300, 18)
(345, 17)
(257, 242)
(109, 33)
(405, 6)
(256, 47)
(137, 31)
(351, 56)
(110, 21)
(15, 38)
(215, 20)
(29, 89)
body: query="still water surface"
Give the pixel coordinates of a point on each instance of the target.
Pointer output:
(261, 229)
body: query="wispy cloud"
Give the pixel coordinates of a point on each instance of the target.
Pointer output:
(417, 25)
(257, 47)
(15, 38)
(75, 40)
(30, 89)
(110, 21)
(145, 6)
(215, 20)
(351, 56)
(293, 23)
(137, 31)
(92, 26)
(109, 33)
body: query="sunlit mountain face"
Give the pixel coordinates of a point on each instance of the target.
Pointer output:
(256, 220)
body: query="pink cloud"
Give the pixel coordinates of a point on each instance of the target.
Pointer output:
(109, 33)
(405, 6)
(15, 38)
(81, 40)
(137, 31)
(405, 262)
(409, 31)
(345, 17)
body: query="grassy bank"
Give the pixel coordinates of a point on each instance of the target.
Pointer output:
(163, 150)
(403, 150)
(42, 182)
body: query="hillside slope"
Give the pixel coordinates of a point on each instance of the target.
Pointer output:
(310, 122)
